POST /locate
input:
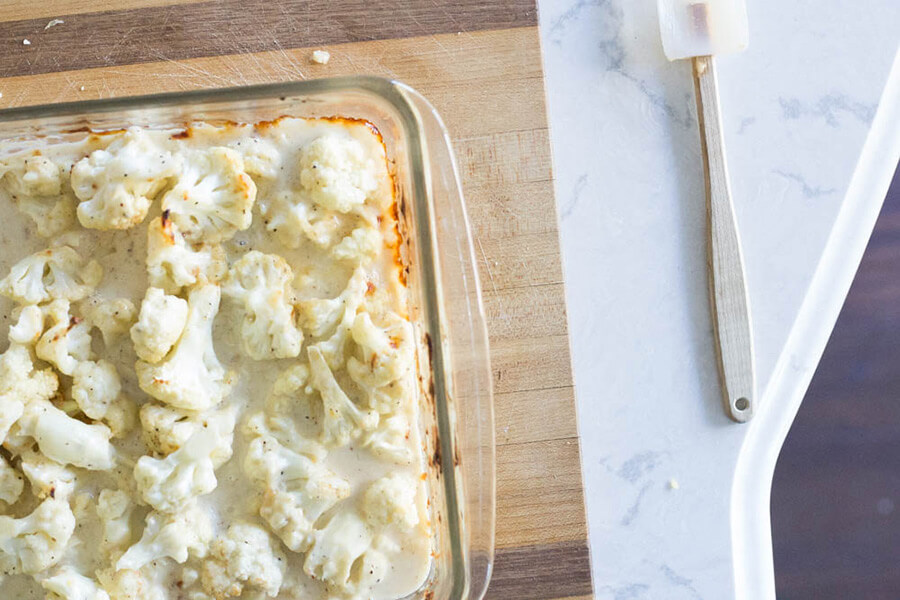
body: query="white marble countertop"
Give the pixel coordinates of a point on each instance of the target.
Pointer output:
(812, 123)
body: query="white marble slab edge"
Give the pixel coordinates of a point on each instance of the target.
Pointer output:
(800, 107)
(751, 528)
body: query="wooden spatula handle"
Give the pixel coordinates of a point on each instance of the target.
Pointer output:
(728, 287)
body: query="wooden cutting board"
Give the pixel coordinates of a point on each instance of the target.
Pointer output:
(480, 65)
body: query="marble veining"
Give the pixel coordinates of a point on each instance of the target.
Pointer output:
(797, 107)
(830, 108)
(806, 189)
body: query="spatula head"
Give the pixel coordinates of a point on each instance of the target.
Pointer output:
(702, 27)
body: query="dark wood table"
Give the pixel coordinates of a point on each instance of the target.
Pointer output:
(836, 492)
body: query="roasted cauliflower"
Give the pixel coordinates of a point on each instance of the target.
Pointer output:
(69, 441)
(292, 218)
(114, 508)
(37, 541)
(172, 263)
(11, 482)
(296, 488)
(21, 385)
(112, 317)
(129, 584)
(213, 197)
(35, 185)
(342, 419)
(116, 185)
(244, 558)
(168, 484)
(95, 387)
(67, 340)
(360, 247)
(69, 584)
(391, 500)
(166, 428)
(160, 324)
(174, 536)
(54, 273)
(190, 376)
(337, 174)
(261, 284)
(47, 478)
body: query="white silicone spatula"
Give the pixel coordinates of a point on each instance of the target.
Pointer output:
(699, 29)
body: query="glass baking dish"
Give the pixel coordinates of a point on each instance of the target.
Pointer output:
(447, 310)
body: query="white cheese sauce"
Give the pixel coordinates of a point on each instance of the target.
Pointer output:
(122, 255)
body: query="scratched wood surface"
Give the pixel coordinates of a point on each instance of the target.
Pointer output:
(479, 64)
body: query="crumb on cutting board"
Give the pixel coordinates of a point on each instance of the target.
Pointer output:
(321, 57)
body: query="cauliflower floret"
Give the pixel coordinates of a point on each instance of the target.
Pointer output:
(48, 478)
(29, 326)
(34, 175)
(322, 316)
(114, 508)
(336, 173)
(245, 557)
(261, 157)
(391, 439)
(69, 584)
(11, 410)
(166, 429)
(159, 326)
(343, 420)
(288, 385)
(262, 284)
(172, 536)
(127, 584)
(49, 274)
(11, 482)
(70, 441)
(111, 317)
(283, 430)
(173, 264)
(36, 542)
(34, 183)
(386, 355)
(117, 185)
(330, 320)
(296, 488)
(95, 387)
(360, 247)
(169, 483)
(349, 555)
(51, 216)
(384, 362)
(213, 197)
(391, 500)
(67, 341)
(190, 376)
(21, 384)
(293, 218)
(343, 541)
(121, 416)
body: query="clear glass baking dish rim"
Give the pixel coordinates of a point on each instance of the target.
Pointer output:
(447, 247)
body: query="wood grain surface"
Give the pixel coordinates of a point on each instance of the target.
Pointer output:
(479, 63)
(724, 256)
